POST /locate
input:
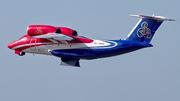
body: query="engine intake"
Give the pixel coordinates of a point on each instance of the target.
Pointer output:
(68, 31)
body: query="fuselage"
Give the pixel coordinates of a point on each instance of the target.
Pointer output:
(65, 43)
(82, 48)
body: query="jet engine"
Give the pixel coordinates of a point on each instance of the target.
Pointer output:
(67, 31)
(35, 30)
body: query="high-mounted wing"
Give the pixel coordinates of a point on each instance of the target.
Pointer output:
(55, 36)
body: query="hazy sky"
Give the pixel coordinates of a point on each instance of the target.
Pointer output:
(150, 74)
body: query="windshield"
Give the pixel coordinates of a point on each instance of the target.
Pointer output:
(23, 38)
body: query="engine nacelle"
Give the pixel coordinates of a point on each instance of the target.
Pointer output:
(35, 30)
(67, 31)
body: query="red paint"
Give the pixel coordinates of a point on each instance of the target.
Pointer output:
(10, 46)
(67, 31)
(142, 16)
(34, 30)
(17, 52)
(27, 41)
(82, 40)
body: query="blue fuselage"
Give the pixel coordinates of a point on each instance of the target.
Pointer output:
(116, 47)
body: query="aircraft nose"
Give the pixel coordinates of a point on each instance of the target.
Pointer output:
(10, 46)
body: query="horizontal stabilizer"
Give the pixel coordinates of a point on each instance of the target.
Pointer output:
(154, 17)
(69, 62)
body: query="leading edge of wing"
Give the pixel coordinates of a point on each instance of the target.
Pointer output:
(56, 36)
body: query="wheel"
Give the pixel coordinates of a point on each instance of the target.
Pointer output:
(22, 53)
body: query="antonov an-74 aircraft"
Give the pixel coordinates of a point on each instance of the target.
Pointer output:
(65, 43)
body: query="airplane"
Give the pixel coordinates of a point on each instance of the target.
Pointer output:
(66, 44)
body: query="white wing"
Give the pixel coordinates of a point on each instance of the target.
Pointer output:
(55, 36)
(154, 17)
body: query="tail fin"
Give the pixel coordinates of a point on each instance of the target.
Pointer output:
(146, 27)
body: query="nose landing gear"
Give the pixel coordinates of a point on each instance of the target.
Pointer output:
(19, 53)
(22, 53)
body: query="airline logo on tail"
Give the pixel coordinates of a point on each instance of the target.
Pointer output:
(144, 31)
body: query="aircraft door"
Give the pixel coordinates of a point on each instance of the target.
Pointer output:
(33, 44)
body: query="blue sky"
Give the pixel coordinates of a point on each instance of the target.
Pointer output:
(150, 74)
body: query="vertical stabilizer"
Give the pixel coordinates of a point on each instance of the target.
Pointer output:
(145, 28)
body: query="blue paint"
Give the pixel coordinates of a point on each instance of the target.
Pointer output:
(140, 37)
(145, 30)
(123, 46)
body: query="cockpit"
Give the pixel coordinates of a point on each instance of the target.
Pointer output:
(23, 38)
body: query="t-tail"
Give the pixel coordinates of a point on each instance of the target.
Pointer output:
(146, 27)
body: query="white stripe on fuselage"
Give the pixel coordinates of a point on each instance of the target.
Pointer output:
(105, 44)
(95, 44)
(19, 46)
(43, 49)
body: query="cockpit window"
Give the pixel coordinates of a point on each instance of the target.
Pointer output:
(23, 38)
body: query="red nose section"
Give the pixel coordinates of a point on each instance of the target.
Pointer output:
(10, 46)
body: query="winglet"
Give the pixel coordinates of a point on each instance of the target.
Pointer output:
(154, 17)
